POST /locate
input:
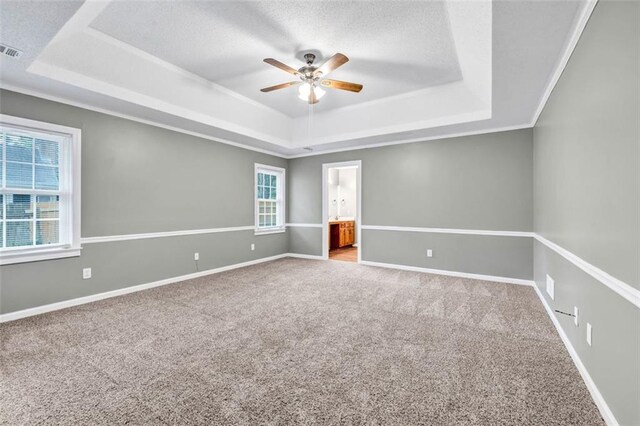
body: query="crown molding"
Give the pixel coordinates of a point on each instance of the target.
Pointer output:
(174, 68)
(66, 101)
(562, 63)
(415, 140)
(580, 25)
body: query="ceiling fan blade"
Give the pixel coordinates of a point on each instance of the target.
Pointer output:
(282, 66)
(331, 64)
(342, 85)
(280, 86)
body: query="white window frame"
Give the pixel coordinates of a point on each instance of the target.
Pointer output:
(280, 200)
(69, 173)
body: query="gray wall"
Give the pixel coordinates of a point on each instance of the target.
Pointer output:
(138, 178)
(586, 147)
(574, 179)
(587, 198)
(481, 182)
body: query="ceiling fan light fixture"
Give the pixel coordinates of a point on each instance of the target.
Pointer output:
(305, 89)
(309, 77)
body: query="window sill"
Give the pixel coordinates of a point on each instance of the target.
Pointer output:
(24, 256)
(270, 231)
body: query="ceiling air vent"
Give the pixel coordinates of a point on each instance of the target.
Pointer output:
(10, 51)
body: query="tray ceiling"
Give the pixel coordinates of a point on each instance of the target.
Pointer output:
(430, 69)
(225, 42)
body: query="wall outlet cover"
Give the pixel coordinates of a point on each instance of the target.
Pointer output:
(551, 287)
(196, 256)
(429, 253)
(86, 273)
(253, 247)
(589, 334)
(575, 315)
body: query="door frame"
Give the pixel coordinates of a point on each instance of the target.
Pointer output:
(325, 204)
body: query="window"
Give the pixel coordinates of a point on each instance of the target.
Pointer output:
(269, 207)
(39, 190)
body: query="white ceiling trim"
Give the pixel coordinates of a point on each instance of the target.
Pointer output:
(564, 59)
(105, 70)
(231, 39)
(413, 126)
(208, 104)
(76, 104)
(559, 69)
(79, 21)
(573, 40)
(69, 102)
(414, 140)
(169, 66)
(459, 102)
(83, 81)
(474, 44)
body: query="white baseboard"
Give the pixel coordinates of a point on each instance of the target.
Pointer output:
(602, 405)
(305, 256)
(11, 316)
(605, 411)
(450, 273)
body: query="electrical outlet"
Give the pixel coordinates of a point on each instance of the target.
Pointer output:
(429, 253)
(575, 315)
(196, 256)
(253, 247)
(551, 287)
(86, 273)
(589, 334)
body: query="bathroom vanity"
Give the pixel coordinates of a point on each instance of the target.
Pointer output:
(341, 233)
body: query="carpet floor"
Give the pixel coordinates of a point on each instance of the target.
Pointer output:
(296, 342)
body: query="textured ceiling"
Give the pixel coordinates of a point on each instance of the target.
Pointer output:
(530, 38)
(225, 42)
(17, 29)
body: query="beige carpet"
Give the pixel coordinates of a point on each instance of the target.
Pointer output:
(296, 342)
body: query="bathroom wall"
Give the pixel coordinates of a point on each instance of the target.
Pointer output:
(342, 193)
(334, 181)
(348, 193)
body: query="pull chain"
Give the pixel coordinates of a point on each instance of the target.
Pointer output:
(309, 122)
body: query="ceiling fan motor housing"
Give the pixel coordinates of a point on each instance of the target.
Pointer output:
(308, 70)
(309, 57)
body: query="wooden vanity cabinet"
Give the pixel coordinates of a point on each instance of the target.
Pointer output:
(341, 234)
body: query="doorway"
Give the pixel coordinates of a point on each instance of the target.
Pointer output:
(341, 211)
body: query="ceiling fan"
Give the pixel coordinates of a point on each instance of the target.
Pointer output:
(312, 77)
